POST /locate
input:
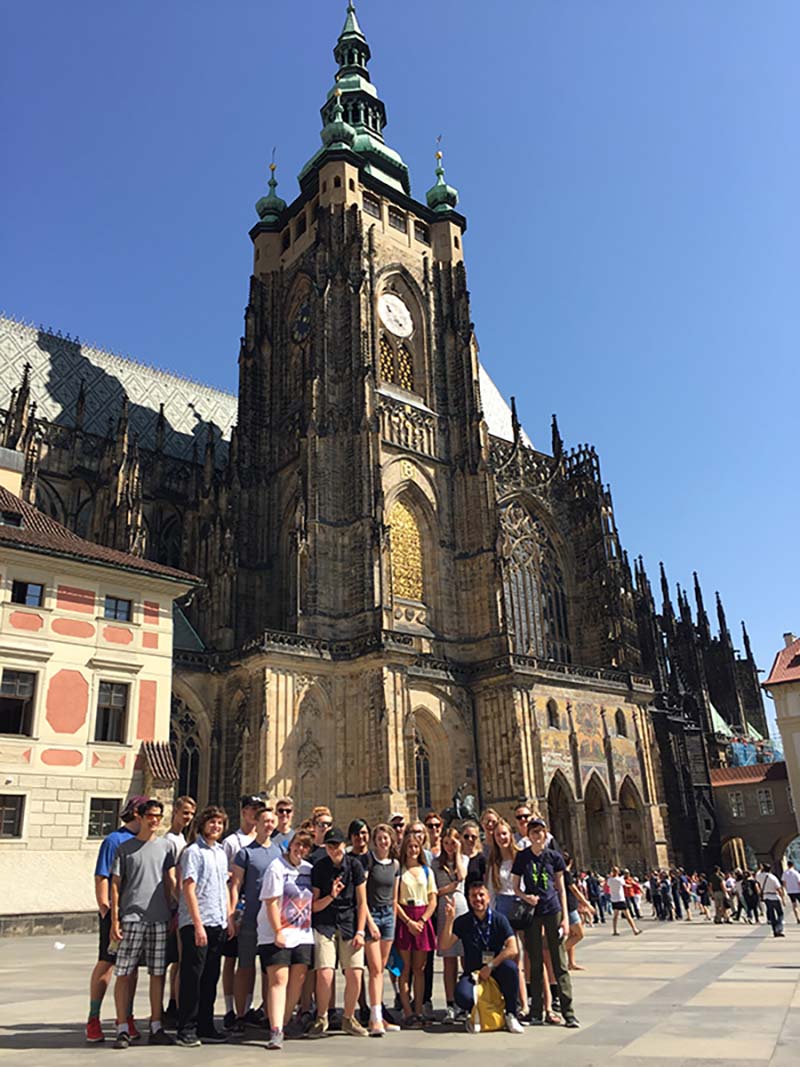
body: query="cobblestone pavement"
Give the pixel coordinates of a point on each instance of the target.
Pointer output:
(690, 994)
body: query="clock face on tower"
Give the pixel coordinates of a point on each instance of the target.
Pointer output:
(301, 325)
(394, 315)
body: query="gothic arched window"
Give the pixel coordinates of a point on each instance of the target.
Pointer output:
(553, 718)
(397, 364)
(620, 724)
(533, 586)
(407, 578)
(185, 745)
(422, 767)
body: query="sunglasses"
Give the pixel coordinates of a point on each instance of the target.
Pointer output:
(325, 825)
(433, 825)
(284, 811)
(470, 837)
(525, 817)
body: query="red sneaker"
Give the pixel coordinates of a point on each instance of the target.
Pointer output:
(133, 1033)
(94, 1031)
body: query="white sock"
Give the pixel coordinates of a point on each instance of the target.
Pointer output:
(228, 1002)
(155, 1026)
(376, 1014)
(248, 1003)
(122, 1028)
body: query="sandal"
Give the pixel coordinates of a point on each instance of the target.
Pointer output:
(552, 1019)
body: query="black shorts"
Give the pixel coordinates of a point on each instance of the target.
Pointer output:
(272, 956)
(795, 898)
(619, 905)
(172, 947)
(105, 936)
(230, 949)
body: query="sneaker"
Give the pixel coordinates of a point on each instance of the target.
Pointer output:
(160, 1037)
(449, 1014)
(187, 1040)
(213, 1037)
(294, 1028)
(170, 1013)
(319, 1027)
(513, 1024)
(255, 1017)
(94, 1031)
(472, 1027)
(535, 1020)
(123, 1040)
(353, 1027)
(414, 1022)
(133, 1033)
(427, 1011)
(305, 1020)
(229, 1020)
(571, 1022)
(238, 1028)
(275, 1042)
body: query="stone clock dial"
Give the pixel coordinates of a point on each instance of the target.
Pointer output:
(301, 326)
(394, 315)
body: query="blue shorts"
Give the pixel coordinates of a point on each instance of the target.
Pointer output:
(574, 918)
(384, 919)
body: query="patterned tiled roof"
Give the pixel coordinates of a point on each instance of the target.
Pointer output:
(160, 760)
(38, 531)
(58, 364)
(786, 667)
(756, 772)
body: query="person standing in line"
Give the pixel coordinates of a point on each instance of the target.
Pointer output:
(791, 883)
(247, 874)
(183, 811)
(107, 954)
(616, 887)
(285, 936)
(382, 885)
(450, 871)
(339, 918)
(282, 834)
(538, 879)
(142, 890)
(774, 898)
(232, 844)
(205, 917)
(415, 933)
(434, 826)
(503, 850)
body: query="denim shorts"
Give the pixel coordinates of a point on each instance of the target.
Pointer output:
(384, 920)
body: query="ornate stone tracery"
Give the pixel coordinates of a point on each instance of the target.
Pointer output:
(407, 572)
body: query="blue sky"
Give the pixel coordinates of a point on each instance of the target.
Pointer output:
(629, 172)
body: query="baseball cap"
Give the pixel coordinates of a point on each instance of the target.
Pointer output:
(536, 823)
(250, 801)
(397, 815)
(334, 836)
(131, 804)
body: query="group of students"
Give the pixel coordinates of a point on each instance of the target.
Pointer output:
(198, 901)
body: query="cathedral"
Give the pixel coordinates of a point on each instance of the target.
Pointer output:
(401, 593)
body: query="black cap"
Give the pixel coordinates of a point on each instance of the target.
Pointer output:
(334, 836)
(250, 801)
(535, 823)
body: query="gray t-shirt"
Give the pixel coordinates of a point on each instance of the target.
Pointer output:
(381, 878)
(141, 866)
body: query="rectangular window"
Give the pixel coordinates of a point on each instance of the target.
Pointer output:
(286, 240)
(737, 804)
(17, 689)
(12, 808)
(300, 228)
(371, 206)
(117, 609)
(765, 805)
(422, 233)
(103, 816)
(397, 219)
(10, 518)
(30, 594)
(112, 712)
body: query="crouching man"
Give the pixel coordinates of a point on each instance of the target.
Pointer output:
(490, 949)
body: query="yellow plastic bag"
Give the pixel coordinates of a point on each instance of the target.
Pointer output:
(490, 1006)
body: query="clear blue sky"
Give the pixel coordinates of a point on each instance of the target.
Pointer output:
(630, 172)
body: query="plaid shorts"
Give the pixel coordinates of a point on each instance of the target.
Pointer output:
(142, 941)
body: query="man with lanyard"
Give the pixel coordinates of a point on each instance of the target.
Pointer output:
(233, 844)
(490, 949)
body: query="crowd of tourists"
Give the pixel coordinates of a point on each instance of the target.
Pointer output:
(498, 902)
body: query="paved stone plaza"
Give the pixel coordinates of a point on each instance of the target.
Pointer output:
(681, 994)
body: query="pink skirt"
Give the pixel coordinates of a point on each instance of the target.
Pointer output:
(424, 941)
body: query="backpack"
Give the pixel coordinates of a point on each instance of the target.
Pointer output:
(490, 1007)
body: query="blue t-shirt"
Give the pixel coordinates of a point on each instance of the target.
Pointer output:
(108, 850)
(538, 877)
(479, 937)
(254, 859)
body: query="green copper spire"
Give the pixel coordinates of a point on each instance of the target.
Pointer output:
(271, 207)
(351, 27)
(337, 133)
(441, 197)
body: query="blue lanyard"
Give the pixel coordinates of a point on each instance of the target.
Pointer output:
(484, 929)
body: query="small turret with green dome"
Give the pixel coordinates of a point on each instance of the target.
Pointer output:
(271, 207)
(442, 198)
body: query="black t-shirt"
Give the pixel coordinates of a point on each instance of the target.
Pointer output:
(538, 877)
(340, 914)
(316, 854)
(717, 883)
(476, 870)
(569, 882)
(477, 938)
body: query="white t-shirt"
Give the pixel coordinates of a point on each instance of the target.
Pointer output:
(178, 842)
(770, 886)
(616, 887)
(791, 879)
(292, 885)
(234, 843)
(506, 885)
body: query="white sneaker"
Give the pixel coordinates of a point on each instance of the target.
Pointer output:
(513, 1024)
(472, 1027)
(449, 1015)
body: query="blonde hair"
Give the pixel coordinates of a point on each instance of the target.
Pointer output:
(495, 857)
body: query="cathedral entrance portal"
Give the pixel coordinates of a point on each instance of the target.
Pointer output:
(560, 808)
(634, 852)
(598, 826)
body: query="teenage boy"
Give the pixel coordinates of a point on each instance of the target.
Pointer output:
(339, 916)
(250, 806)
(322, 821)
(397, 821)
(183, 811)
(248, 872)
(538, 879)
(522, 816)
(791, 883)
(490, 949)
(142, 889)
(204, 913)
(283, 832)
(101, 975)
